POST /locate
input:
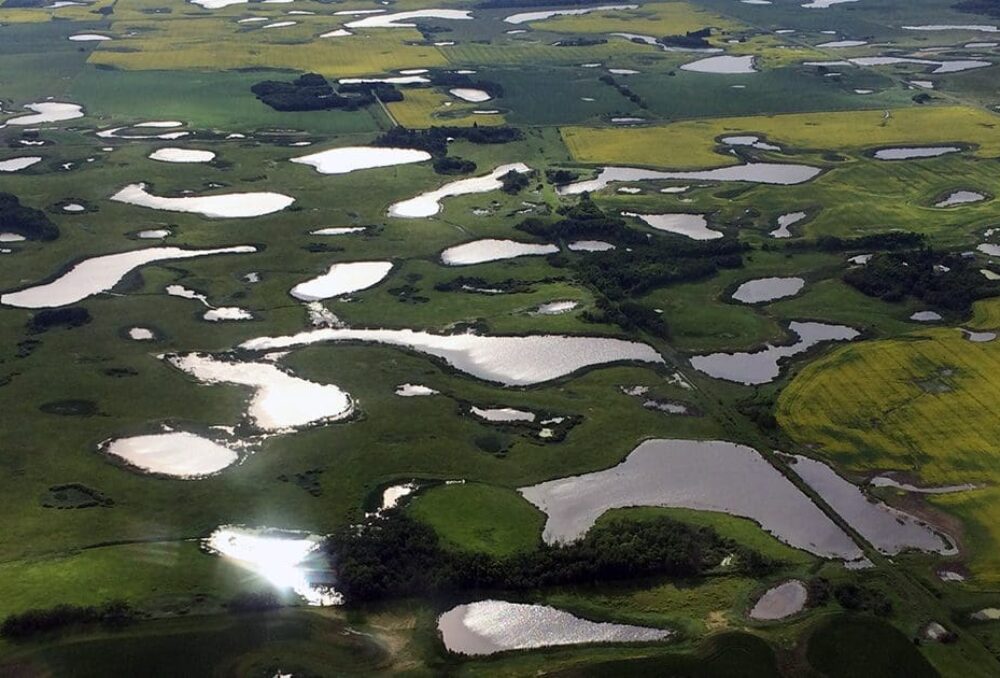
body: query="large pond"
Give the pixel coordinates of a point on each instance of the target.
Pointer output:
(527, 17)
(428, 204)
(289, 560)
(755, 173)
(280, 401)
(99, 274)
(352, 158)
(407, 19)
(705, 475)
(480, 251)
(694, 226)
(763, 366)
(887, 529)
(490, 626)
(226, 205)
(510, 360)
(178, 454)
(768, 289)
(781, 601)
(472, 95)
(725, 64)
(341, 279)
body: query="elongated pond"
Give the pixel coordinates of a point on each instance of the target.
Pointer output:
(510, 360)
(481, 251)
(754, 173)
(768, 289)
(489, 626)
(341, 279)
(99, 274)
(223, 206)
(428, 204)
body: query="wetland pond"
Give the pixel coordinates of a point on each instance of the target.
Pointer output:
(781, 601)
(18, 164)
(780, 174)
(352, 158)
(704, 475)
(887, 529)
(341, 279)
(489, 626)
(960, 198)
(761, 367)
(785, 222)
(99, 274)
(177, 454)
(768, 289)
(694, 226)
(914, 152)
(226, 205)
(723, 64)
(481, 251)
(509, 360)
(428, 204)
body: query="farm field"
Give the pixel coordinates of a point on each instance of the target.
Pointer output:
(329, 345)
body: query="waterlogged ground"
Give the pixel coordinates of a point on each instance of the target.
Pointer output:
(235, 318)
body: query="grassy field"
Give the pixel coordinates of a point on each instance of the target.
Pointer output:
(480, 518)
(691, 144)
(655, 18)
(422, 108)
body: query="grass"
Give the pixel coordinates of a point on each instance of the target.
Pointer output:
(425, 107)
(691, 144)
(656, 19)
(480, 518)
(847, 646)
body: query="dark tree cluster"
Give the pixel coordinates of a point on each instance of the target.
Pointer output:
(560, 177)
(476, 284)
(435, 139)
(68, 318)
(113, 614)
(449, 165)
(312, 92)
(891, 240)
(690, 40)
(850, 596)
(582, 220)
(624, 90)
(514, 182)
(28, 222)
(253, 601)
(942, 280)
(397, 556)
(986, 7)
(384, 91)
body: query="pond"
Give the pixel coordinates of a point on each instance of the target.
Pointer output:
(785, 222)
(751, 141)
(178, 454)
(341, 230)
(886, 480)
(887, 529)
(489, 626)
(469, 94)
(914, 152)
(723, 64)
(705, 475)
(509, 360)
(926, 316)
(527, 17)
(280, 401)
(99, 274)
(763, 366)
(48, 111)
(556, 307)
(405, 19)
(341, 279)
(181, 155)
(781, 601)
(502, 414)
(428, 204)
(589, 246)
(288, 559)
(960, 198)
(694, 226)
(768, 289)
(490, 249)
(18, 164)
(757, 173)
(352, 158)
(225, 206)
(414, 390)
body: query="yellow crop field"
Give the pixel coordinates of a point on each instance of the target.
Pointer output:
(88, 12)
(423, 108)
(690, 144)
(656, 19)
(927, 403)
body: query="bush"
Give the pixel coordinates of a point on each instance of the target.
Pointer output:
(114, 614)
(309, 92)
(69, 317)
(447, 165)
